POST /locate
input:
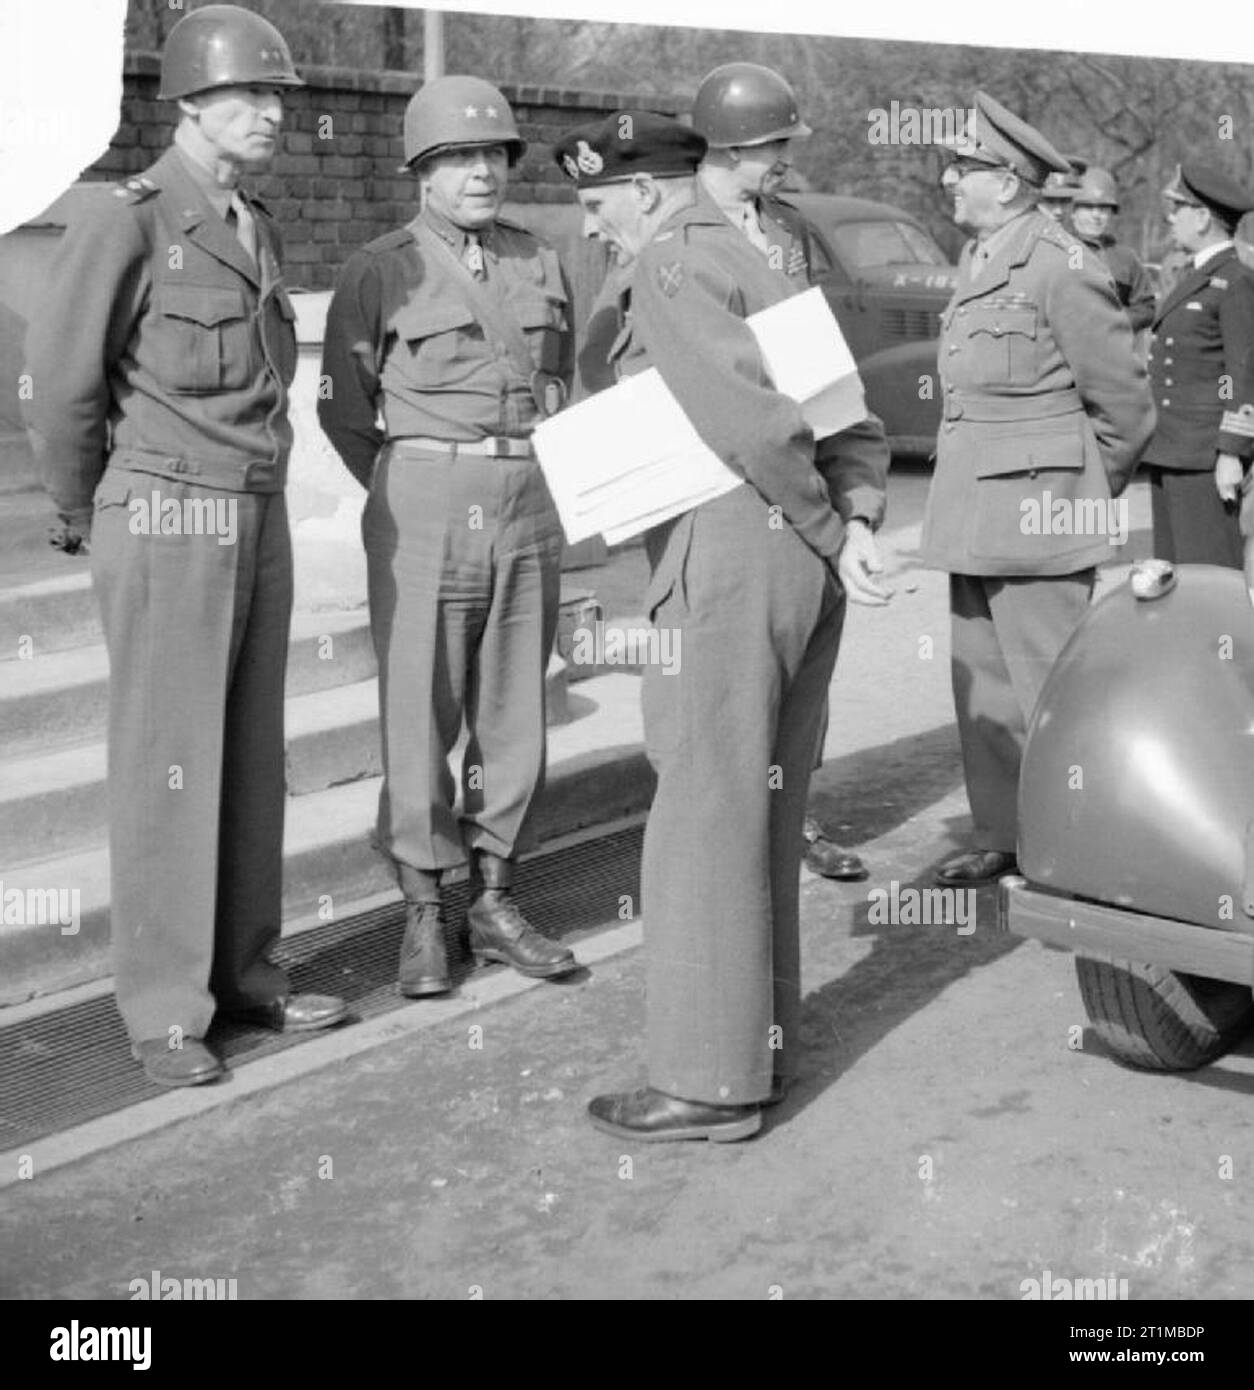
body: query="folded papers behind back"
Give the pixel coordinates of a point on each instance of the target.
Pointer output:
(808, 359)
(629, 458)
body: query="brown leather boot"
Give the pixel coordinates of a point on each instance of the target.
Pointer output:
(500, 932)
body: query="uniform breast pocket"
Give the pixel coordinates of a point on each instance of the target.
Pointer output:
(432, 339)
(544, 320)
(207, 339)
(1003, 344)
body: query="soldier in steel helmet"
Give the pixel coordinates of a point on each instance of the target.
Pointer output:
(749, 116)
(162, 361)
(455, 330)
(1093, 209)
(752, 581)
(1046, 408)
(1056, 194)
(1201, 365)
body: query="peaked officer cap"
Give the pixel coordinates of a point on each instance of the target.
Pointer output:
(1001, 138)
(1197, 182)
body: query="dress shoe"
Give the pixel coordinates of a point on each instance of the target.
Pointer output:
(294, 1013)
(424, 957)
(190, 1065)
(653, 1117)
(823, 856)
(499, 931)
(975, 866)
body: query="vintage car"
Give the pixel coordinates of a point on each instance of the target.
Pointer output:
(887, 282)
(884, 276)
(1136, 815)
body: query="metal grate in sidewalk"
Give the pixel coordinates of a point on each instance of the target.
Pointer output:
(71, 1065)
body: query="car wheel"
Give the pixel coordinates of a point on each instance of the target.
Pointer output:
(1161, 1020)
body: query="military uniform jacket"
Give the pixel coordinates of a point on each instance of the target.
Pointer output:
(854, 462)
(694, 285)
(163, 344)
(1044, 401)
(1132, 282)
(403, 341)
(1202, 366)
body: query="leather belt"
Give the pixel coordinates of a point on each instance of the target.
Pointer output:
(494, 446)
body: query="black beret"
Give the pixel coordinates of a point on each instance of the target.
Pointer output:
(1209, 185)
(627, 143)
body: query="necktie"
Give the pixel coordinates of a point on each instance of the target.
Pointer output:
(474, 257)
(244, 224)
(752, 228)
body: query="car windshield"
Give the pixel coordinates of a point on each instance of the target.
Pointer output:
(868, 244)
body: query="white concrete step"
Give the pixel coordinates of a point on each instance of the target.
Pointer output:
(60, 696)
(597, 772)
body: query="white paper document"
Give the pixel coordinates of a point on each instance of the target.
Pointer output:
(627, 459)
(808, 359)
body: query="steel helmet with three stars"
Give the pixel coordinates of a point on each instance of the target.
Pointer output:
(449, 112)
(223, 46)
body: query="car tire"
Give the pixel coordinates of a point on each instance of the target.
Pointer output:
(1161, 1020)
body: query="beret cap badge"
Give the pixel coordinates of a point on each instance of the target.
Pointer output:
(589, 162)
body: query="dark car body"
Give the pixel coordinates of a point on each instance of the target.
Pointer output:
(888, 283)
(884, 276)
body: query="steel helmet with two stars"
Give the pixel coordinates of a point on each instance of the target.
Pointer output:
(448, 112)
(224, 46)
(746, 104)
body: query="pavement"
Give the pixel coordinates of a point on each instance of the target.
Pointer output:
(956, 1132)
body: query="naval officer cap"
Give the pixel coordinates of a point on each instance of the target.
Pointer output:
(629, 143)
(1002, 140)
(1211, 187)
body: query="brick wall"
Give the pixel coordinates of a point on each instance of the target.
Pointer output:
(334, 183)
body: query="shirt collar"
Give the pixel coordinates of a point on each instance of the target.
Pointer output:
(1208, 253)
(202, 176)
(454, 235)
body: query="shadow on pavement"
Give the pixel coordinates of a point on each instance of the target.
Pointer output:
(863, 795)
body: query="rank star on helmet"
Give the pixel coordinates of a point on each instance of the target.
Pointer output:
(471, 112)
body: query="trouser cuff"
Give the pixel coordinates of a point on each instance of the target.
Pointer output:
(419, 885)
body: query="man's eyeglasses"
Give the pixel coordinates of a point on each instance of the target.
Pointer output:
(961, 165)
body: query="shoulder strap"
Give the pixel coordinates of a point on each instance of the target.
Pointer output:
(495, 324)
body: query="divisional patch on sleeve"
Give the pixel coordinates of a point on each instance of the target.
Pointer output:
(670, 278)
